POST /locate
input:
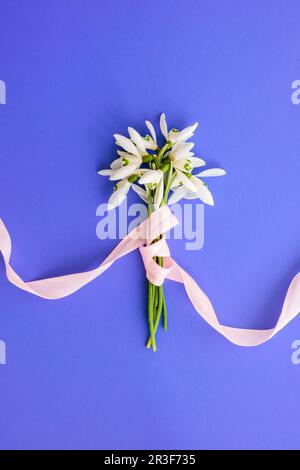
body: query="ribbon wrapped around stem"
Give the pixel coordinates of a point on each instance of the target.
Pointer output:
(158, 223)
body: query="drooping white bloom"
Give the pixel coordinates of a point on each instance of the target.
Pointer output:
(151, 139)
(201, 191)
(138, 141)
(119, 195)
(155, 180)
(140, 192)
(183, 161)
(174, 135)
(122, 187)
(125, 166)
(127, 145)
(135, 149)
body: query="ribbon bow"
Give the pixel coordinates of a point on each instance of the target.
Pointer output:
(159, 222)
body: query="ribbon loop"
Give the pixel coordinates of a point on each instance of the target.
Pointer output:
(155, 273)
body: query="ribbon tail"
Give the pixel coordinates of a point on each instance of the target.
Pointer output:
(62, 286)
(238, 336)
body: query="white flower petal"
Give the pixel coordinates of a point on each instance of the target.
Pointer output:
(176, 182)
(186, 133)
(178, 193)
(126, 144)
(150, 144)
(119, 195)
(187, 182)
(191, 195)
(152, 131)
(203, 192)
(141, 171)
(141, 192)
(151, 176)
(183, 165)
(116, 164)
(159, 194)
(121, 153)
(212, 172)
(183, 150)
(123, 172)
(173, 134)
(196, 162)
(131, 159)
(163, 126)
(137, 139)
(105, 172)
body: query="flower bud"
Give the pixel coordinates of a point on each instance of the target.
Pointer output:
(132, 178)
(147, 158)
(165, 167)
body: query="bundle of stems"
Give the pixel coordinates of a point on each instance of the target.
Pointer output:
(157, 310)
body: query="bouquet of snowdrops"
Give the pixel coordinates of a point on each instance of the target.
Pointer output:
(160, 174)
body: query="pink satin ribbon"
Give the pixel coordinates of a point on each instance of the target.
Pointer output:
(141, 237)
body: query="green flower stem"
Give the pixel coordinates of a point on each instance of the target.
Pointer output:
(161, 308)
(162, 300)
(169, 181)
(165, 315)
(151, 288)
(157, 320)
(150, 315)
(161, 152)
(155, 297)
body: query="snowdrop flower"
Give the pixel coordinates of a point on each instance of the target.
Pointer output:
(137, 145)
(119, 195)
(128, 145)
(201, 190)
(135, 149)
(183, 161)
(174, 135)
(124, 166)
(151, 139)
(144, 143)
(129, 160)
(138, 140)
(154, 179)
(122, 187)
(140, 192)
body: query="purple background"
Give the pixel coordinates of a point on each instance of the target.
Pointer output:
(77, 71)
